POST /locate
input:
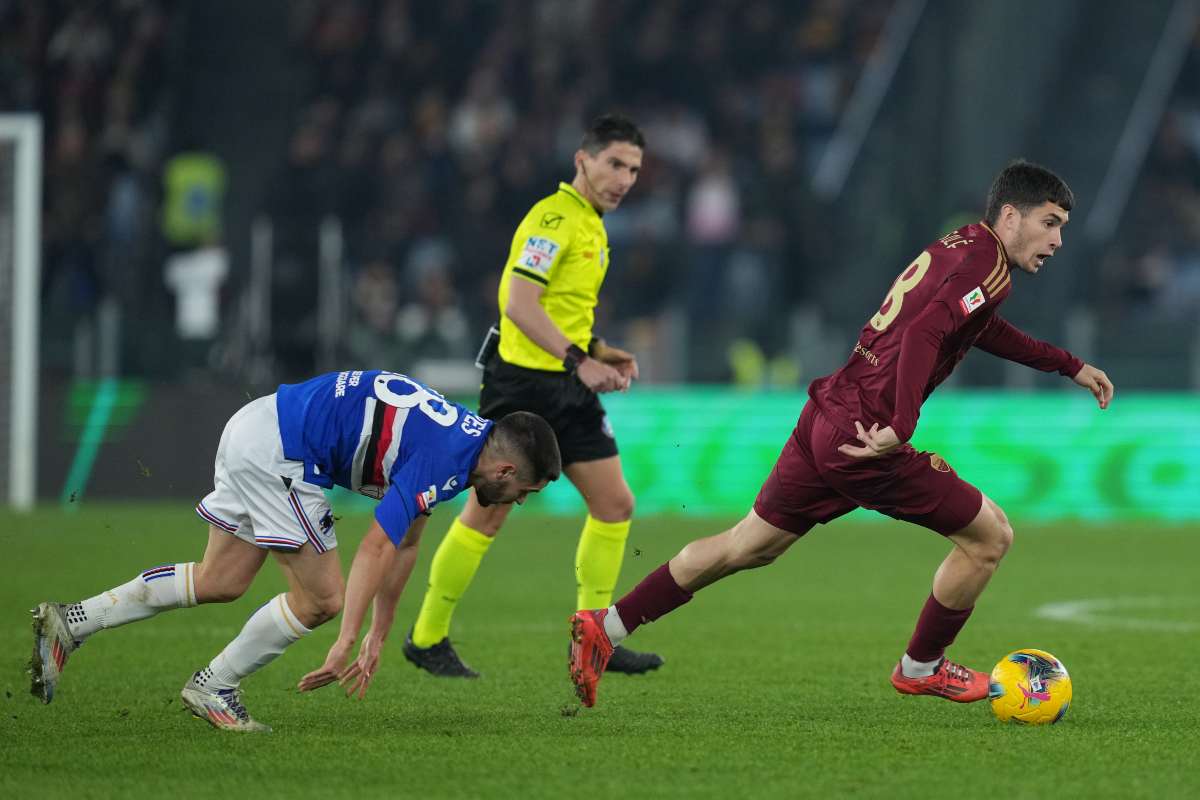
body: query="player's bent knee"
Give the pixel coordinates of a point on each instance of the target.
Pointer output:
(754, 560)
(750, 552)
(219, 588)
(615, 508)
(326, 608)
(219, 594)
(487, 521)
(711, 558)
(625, 506)
(1002, 539)
(991, 549)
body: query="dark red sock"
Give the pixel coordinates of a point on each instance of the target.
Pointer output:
(656, 595)
(936, 629)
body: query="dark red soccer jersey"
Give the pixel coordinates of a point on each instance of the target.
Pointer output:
(940, 306)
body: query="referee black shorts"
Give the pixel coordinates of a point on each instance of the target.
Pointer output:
(573, 410)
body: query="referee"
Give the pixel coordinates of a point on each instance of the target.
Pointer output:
(549, 362)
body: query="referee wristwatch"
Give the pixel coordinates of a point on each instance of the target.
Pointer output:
(573, 358)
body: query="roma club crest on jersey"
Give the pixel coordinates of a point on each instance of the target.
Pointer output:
(972, 300)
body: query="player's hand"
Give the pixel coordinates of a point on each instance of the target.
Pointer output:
(600, 377)
(876, 442)
(1096, 382)
(335, 664)
(622, 361)
(356, 677)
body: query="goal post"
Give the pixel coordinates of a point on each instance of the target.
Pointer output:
(20, 281)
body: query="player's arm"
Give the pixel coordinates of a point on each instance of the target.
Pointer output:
(525, 310)
(1003, 339)
(374, 566)
(383, 612)
(357, 676)
(920, 343)
(919, 347)
(372, 562)
(963, 293)
(918, 354)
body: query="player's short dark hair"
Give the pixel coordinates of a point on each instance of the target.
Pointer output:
(1025, 185)
(609, 128)
(526, 437)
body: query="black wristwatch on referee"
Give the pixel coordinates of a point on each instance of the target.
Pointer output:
(572, 359)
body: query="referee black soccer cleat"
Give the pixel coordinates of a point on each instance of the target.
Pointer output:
(438, 659)
(631, 662)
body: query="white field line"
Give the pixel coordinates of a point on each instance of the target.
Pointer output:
(1114, 612)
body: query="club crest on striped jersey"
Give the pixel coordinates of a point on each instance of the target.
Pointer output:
(428, 498)
(972, 300)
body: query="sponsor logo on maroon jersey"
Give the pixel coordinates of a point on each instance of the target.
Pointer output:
(867, 354)
(938, 463)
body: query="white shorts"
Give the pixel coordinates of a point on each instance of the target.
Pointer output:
(261, 497)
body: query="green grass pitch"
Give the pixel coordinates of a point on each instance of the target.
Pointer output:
(775, 683)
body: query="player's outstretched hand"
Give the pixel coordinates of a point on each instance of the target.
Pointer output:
(1096, 382)
(876, 442)
(356, 677)
(330, 671)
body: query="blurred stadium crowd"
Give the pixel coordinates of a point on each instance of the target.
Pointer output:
(429, 154)
(97, 73)
(1154, 269)
(431, 160)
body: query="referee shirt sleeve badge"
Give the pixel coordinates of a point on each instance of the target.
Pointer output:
(538, 255)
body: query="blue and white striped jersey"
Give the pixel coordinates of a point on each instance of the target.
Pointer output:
(384, 435)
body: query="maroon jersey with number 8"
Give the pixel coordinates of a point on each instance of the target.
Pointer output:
(940, 306)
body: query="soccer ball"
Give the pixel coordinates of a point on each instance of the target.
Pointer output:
(1031, 687)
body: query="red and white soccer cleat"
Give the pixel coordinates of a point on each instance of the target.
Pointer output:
(52, 644)
(951, 681)
(221, 708)
(590, 652)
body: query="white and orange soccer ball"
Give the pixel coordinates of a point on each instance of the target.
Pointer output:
(1031, 687)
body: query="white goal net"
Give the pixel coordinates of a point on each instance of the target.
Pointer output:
(20, 271)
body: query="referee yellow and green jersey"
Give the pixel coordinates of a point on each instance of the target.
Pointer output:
(562, 246)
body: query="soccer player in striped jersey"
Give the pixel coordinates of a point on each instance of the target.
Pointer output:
(850, 446)
(379, 433)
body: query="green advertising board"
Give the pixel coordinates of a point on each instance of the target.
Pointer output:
(1041, 456)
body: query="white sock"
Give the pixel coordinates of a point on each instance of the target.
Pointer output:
(917, 669)
(157, 589)
(265, 635)
(614, 627)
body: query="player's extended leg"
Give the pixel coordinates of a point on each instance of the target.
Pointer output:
(314, 596)
(228, 567)
(454, 565)
(957, 584)
(751, 543)
(601, 483)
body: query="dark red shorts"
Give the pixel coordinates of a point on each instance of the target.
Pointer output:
(813, 483)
